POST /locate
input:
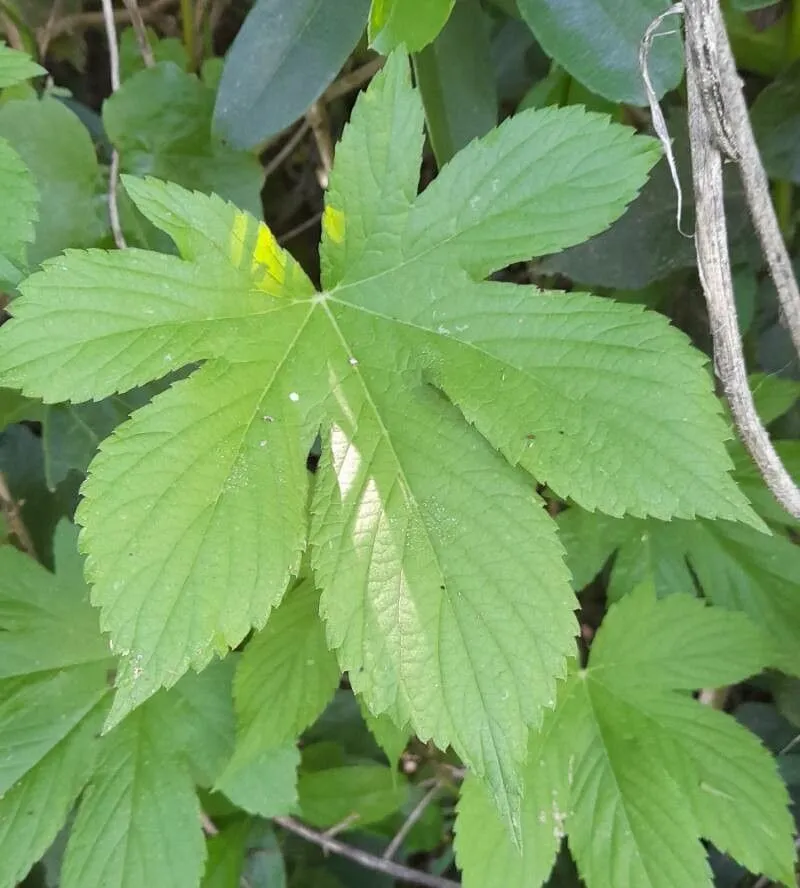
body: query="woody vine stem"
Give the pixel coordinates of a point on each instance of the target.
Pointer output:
(719, 130)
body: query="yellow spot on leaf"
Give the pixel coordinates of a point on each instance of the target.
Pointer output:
(333, 224)
(254, 244)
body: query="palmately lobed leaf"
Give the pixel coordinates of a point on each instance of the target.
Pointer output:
(633, 771)
(443, 585)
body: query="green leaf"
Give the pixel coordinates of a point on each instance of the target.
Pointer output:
(53, 691)
(773, 395)
(226, 852)
(72, 432)
(284, 56)
(167, 49)
(736, 567)
(60, 155)
(391, 739)
(15, 407)
(266, 784)
(20, 199)
(264, 867)
(139, 822)
(750, 482)
(645, 245)
(383, 150)
(160, 121)
(16, 67)
(283, 682)
(775, 116)
(367, 793)
(628, 756)
(412, 24)
(245, 853)
(201, 711)
(484, 210)
(598, 43)
(443, 587)
(481, 841)
(456, 81)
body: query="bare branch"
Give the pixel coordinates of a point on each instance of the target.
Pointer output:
(369, 861)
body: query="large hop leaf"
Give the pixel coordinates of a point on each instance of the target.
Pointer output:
(443, 586)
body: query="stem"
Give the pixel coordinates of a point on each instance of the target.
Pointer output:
(187, 25)
(793, 33)
(783, 190)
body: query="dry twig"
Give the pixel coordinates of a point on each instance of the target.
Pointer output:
(140, 30)
(353, 80)
(286, 149)
(317, 117)
(113, 175)
(413, 817)
(9, 508)
(369, 861)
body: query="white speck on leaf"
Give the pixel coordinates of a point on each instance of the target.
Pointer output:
(293, 396)
(268, 418)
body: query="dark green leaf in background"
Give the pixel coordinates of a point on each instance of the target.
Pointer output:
(72, 432)
(160, 121)
(59, 153)
(285, 55)
(455, 78)
(736, 567)
(598, 43)
(167, 49)
(645, 245)
(369, 792)
(775, 116)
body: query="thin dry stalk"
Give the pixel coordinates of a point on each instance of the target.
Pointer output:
(9, 508)
(140, 30)
(368, 861)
